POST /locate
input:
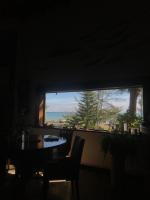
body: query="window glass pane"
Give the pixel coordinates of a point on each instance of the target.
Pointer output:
(111, 109)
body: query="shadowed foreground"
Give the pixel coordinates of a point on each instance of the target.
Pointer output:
(94, 184)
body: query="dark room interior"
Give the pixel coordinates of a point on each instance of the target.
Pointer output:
(61, 46)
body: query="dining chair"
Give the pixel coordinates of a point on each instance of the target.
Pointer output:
(66, 169)
(65, 149)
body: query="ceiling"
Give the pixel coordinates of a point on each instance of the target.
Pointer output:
(68, 34)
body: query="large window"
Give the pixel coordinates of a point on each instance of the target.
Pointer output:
(111, 109)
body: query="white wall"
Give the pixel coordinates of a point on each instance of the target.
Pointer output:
(92, 152)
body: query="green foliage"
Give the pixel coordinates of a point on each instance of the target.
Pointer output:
(88, 109)
(91, 111)
(87, 113)
(110, 113)
(72, 121)
(132, 120)
(135, 123)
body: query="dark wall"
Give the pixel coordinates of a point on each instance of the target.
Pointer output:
(71, 43)
(65, 46)
(8, 42)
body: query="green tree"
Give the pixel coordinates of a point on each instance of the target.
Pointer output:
(131, 117)
(93, 108)
(107, 111)
(72, 121)
(134, 92)
(88, 109)
(86, 115)
(111, 113)
(131, 120)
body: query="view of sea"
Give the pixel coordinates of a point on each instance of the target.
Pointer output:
(56, 115)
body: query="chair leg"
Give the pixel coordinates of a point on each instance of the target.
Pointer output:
(45, 187)
(77, 189)
(72, 188)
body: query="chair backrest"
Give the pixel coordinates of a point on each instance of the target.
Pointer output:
(68, 168)
(77, 149)
(67, 133)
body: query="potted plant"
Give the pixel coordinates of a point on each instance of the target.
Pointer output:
(132, 121)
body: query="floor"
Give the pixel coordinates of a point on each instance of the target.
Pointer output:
(94, 184)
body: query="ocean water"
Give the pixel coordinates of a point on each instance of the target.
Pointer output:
(56, 115)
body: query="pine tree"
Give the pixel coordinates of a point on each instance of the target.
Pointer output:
(93, 107)
(87, 110)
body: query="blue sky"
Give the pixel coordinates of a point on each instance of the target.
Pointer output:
(62, 101)
(66, 101)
